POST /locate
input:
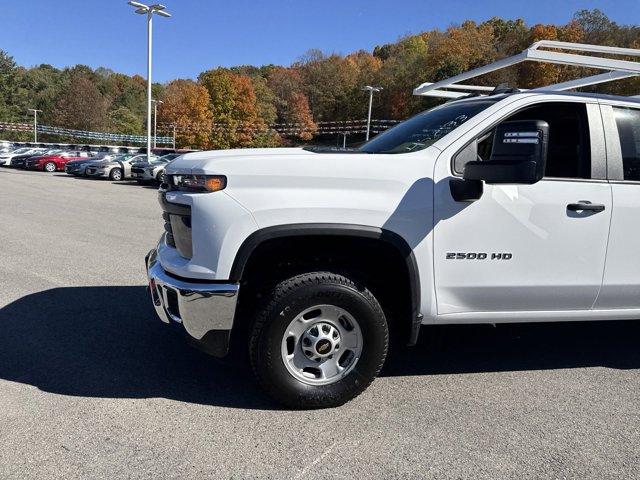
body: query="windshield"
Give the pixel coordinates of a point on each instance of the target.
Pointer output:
(426, 128)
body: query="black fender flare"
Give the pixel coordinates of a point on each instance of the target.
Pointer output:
(337, 229)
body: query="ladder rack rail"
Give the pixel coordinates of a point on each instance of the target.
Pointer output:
(617, 68)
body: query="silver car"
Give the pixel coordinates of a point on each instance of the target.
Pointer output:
(154, 171)
(113, 167)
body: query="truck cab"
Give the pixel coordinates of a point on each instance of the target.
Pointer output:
(490, 208)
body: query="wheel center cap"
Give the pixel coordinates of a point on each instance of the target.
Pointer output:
(324, 346)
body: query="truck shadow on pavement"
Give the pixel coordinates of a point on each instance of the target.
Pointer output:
(107, 342)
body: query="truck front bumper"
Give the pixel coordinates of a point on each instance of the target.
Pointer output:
(205, 310)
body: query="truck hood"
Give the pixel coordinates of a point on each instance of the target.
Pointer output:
(214, 161)
(297, 163)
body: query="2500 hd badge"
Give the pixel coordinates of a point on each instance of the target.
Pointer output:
(479, 256)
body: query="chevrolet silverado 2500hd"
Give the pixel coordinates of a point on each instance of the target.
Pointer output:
(503, 206)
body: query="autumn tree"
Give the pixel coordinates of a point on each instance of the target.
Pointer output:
(329, 81)
(292, 105)
(81, 106)
(407, 64)
(186, 105)
(237, 112)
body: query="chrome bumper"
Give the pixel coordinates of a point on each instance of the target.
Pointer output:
(201, 308)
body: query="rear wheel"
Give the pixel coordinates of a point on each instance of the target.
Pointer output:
(160, 177)
(319, 342)
(115, 175)
(50, 167)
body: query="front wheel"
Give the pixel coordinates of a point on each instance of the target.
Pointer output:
(115, 175)
(50, 167)
(319, 342)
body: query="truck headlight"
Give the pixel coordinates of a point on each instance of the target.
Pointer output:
(199, 183)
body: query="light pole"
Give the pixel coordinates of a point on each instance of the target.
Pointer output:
(149, 10)
(174, 136)
(155, 121)
(35, 124)
(370, 89)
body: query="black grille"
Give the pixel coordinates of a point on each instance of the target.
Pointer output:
(177, 224)
(167, 228)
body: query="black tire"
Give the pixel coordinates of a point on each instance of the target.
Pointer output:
(114, 173)
(287, 300)
(47, 167)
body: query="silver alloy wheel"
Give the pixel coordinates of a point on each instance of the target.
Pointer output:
(322, 345)
(50, 167)
(116, 175)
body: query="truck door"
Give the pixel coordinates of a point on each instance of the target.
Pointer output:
(621, 283)
(525, 248)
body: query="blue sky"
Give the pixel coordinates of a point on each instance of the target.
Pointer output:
(207, 33)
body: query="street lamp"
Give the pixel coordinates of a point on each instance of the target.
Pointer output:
(370, 89)
(149, 10)
(35, 124)
(155, 120)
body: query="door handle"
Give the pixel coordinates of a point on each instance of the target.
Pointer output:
(584, 205)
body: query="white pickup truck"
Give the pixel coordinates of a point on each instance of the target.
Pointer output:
(503, 206)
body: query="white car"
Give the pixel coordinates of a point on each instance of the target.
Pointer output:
(510, 206)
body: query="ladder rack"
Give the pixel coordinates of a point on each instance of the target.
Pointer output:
(616, 69)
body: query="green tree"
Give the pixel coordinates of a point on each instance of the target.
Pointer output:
(122, 120)
(9, 88)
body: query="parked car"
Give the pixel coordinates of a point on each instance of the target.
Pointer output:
(500, 206)
(77, 167)
(5, 158)
(138, 159)
(54, 162)
(145, 172)
(116, 168)
(19, 161)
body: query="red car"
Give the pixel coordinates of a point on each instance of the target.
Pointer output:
(51, 163)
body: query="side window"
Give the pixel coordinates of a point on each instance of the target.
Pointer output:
(628, 122)
(569, 152)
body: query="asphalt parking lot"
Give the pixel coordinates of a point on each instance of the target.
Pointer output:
(93, 386)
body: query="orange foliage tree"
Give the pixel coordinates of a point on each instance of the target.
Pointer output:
(186, 105)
